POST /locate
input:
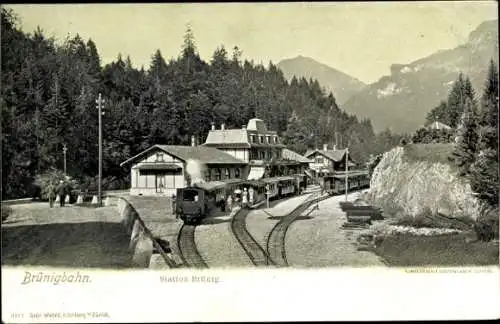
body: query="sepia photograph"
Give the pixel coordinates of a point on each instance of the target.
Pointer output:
(194, 156)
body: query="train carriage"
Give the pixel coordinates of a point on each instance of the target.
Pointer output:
(335, 184)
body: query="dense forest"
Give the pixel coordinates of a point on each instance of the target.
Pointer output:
(49, 93)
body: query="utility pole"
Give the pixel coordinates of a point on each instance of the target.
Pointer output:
(64, 152)
(346, 172)
(100, 103)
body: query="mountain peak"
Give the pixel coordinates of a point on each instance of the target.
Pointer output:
(402, 99)
(339, 83)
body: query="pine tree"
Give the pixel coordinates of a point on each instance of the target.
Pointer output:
(484, 171)
(466, 139)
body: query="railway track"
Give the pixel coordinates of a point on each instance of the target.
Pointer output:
(275, 245)
(255, 252)
(187, 248)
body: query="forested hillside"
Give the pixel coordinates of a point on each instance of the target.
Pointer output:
(49, 92)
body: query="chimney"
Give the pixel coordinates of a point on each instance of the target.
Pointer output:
(334, 147)
(222, 126)
(193, 140)
(213, 126)
(325, 147)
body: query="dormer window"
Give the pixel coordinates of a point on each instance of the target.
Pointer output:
(159, 157)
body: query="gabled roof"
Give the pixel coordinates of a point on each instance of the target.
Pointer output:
(334, 155)
(291, 155)
(206, 155)
(438, 125)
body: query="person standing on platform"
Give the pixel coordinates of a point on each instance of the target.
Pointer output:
(229, 203)
(251, 198)
(244, 198)
(174, 211)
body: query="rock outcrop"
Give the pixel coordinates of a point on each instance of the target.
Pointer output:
(404, 187)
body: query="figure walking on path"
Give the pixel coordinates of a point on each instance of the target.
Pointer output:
(61, 191)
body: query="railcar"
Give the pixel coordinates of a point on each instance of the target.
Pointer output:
(335, 184)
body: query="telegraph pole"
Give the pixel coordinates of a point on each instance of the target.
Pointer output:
(346, 172)
(100, 103)
(64, 152)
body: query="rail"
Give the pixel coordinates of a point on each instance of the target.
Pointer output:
(188, 251)
(258, 256)
(275, 243)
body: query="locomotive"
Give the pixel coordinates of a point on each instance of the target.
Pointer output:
(196, 202)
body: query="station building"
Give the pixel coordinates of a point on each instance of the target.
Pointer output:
(327, 161)
(161, 169)
(251, 153)
(259, 147)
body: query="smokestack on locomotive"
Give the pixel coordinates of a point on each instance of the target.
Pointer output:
(195, 170)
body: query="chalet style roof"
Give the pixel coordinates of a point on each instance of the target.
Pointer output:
(334, 155)
(291, 155)
(438, 125)
(206, 155)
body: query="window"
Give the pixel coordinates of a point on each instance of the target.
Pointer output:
(252, 138)
(159, 157)
(227, 173)
(207, 175)
(261, 139)
(319, 160)
(262, 155)
(237, 172)
(190, 195)
(217, 175)
(275, 139)
(268, 139)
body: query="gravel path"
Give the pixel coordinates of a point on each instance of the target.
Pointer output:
(69, 237)
(321, 242)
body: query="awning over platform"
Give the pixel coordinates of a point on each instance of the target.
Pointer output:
(256, 173)
(158, 166)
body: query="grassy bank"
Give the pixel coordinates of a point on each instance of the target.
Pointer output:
(442, 250)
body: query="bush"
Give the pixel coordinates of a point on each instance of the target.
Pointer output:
(486, 225)
(6, 211)
(49, 181)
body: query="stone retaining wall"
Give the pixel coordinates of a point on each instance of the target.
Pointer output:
(142, 241)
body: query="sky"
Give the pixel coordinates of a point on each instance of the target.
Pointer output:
(358, 38)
